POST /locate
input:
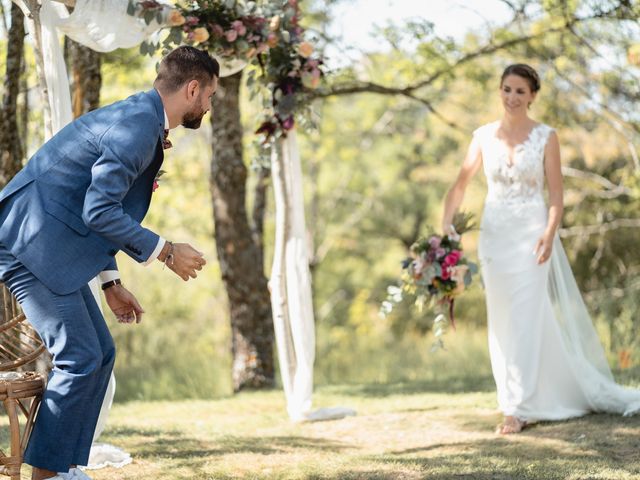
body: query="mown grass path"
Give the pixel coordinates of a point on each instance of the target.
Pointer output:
(402, 431)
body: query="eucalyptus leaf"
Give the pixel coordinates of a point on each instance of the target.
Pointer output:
(148, 17)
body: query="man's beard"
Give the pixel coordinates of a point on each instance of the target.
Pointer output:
(192, 120)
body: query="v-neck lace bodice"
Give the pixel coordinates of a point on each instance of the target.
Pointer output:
(521, 182)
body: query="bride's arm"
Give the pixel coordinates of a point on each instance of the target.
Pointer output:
(553, 173)
(453, 200)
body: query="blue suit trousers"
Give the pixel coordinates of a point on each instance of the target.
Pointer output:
(76, 334)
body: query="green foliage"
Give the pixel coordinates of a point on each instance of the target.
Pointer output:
(376, 171)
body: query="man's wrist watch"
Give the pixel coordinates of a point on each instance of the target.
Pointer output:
(111, 283)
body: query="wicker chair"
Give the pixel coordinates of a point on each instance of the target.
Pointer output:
(20, 391)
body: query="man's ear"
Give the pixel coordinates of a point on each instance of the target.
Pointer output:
(193, 89)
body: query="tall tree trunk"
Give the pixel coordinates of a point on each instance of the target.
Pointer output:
(239, 256)
(11, 153)
(86, 79)
(259, 210)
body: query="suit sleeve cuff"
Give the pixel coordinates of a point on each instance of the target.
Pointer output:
(108, 275)
(156, 252)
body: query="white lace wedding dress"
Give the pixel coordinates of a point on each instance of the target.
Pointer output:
(546, 357)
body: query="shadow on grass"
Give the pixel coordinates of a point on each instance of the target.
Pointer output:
(593, 446)
(440, 385)
(195, 452)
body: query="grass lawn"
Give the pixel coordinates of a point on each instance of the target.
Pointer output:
(402, 431)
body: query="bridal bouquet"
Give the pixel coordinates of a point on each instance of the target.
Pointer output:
(435, 273)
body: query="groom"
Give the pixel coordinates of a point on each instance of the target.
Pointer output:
(77, 202)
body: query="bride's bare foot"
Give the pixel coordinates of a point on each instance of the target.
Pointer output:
(510, 425)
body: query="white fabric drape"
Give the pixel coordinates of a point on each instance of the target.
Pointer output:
(291, 294)
(584, 350)
(105, 25)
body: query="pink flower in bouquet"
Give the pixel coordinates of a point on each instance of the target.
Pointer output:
(453, 258)
(440, 252)
(191, 20)
(217, 30)
(446, 273)
(434, 242)
(231, 35)
(239, 27)
(272, 40)
(262, 47)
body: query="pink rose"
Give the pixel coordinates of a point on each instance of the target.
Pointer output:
(440, 252)
(452, 258)
(239, 27)
(434, 242)
(272, 40)
(231, 35)
(217, 30)
(191, 20)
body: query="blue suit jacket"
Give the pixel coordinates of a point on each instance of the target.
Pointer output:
(82, 196)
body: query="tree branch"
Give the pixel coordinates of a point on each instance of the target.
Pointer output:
(490, 48)
(612, 190)
(600, 229)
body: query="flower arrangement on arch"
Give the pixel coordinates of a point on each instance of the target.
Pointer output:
(435, 273)
(267, 34)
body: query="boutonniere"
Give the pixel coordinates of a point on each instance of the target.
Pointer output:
(156, 181)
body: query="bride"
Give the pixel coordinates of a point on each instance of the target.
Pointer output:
(547, 360)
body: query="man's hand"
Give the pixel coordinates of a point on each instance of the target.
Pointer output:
(184, 260)
(123, 304)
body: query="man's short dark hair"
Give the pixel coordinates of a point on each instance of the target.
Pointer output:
(183, 65)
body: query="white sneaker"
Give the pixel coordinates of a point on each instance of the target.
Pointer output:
(73, 474)
(79, 474)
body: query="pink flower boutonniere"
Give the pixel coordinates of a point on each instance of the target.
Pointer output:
(156, 181)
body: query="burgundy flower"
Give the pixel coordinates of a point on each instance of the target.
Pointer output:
(288, 122)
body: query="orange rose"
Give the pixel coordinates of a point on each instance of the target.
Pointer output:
(175, 18)
(305, 49)
(200, 35)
